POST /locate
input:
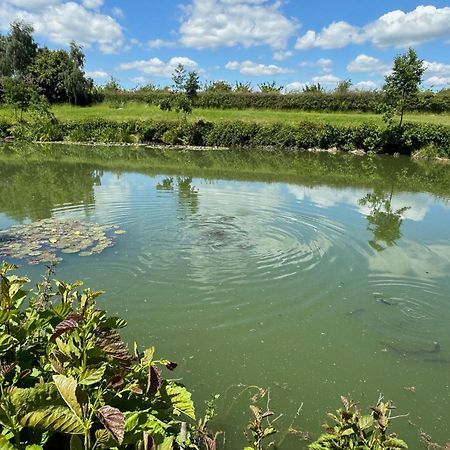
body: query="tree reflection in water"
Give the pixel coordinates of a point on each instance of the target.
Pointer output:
(187, 194)
(383, 221)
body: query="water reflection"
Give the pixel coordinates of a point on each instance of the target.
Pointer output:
(384, 222)
(33, 190)
(187, 193)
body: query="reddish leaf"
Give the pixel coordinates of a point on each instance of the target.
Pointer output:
(116, 381)
(4, 370)
(210, 443)
(110, 342)
(172, 366)
(24, 374)
(66, 325)
(114, 421)
(267, 414)
(153, 381)
(149, 443)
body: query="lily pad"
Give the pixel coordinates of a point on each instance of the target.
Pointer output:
(42, 241)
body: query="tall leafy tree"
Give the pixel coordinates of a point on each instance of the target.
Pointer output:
(401, 87)
(17, 50)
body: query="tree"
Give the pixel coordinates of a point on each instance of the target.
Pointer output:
(401, 87)
(17, 50)
(270, 88)
(192, 85)
(219, 86)
(19, 94)
(343, 87)
(77, 86)
(313, 89)
(242, 88)
(179, 78)
(48, 73)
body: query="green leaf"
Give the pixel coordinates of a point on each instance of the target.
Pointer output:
(93, 375)
(59, 419)
(167, 444)
(7, 342)
(62, 310)
(180, 399)
(34, 447)
(5, 444)
(393, 442)
(67, 387)
(365, 422)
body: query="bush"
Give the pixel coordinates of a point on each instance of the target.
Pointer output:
(68, 380)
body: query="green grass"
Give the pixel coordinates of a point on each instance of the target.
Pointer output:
(145, 112)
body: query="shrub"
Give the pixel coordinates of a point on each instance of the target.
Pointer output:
(68, 380)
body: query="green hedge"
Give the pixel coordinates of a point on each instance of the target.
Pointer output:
(304, 135)
(352, 101)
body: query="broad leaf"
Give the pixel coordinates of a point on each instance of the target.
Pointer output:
(76, 443)
(114, 421)
(7, 342)
(59, 419)
(5, 444)
(93, 375)
(179, 398)
(66, 325)
(153, 381)
(167, 444)
(67, 387)
(111, 343)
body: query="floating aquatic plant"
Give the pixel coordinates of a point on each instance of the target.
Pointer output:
(44, 241)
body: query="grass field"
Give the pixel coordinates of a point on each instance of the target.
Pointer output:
(142, 111)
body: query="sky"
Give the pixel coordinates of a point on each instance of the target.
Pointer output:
(291, 42)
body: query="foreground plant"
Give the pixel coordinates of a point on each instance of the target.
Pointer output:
(67, 380)
(353, 430)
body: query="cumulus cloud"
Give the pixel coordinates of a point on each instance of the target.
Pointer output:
(254, 69)
(296, 86)
(326, 80)
(158, 68)
(396, 28)
(282, 55)
(438, 74)
(367, 64)
(92, 4)
(160, 43)
(365, 86)
(98, 74)
(227, 23)
(62, 22)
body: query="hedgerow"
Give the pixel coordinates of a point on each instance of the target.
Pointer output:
(304, 135)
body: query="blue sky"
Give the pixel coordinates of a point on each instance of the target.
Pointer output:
(291, 42)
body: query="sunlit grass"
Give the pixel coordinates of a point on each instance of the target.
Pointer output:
(142, 111)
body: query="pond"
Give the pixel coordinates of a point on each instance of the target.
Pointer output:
(313, 275)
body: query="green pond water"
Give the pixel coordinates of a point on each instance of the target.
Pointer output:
(313, 275)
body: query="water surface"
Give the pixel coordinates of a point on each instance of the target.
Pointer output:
(313, 275)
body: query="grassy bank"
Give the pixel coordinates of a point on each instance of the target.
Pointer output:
(429, 139)
(142, 111)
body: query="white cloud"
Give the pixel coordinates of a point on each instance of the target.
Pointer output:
(139, 80)
(327, 79)
(227, 23)
(160, 43)
(255, 69)
(296, 86)
(157, 68)
(402, 29)
(437, 81)
(97, 74)
(336, 35)
(117, 12)
(367, 64)
(396, 28)
(92, 4)
(365, 86)
(62, 22)
(282, 55)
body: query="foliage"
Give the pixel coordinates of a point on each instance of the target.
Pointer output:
(401, 87)
(218, 86)
(19, 94)
(353, 430)
(314, 88)
(343, 87)
(17, 50)
(68, 379)
(257, 430)
(304, 135)
(270, 88)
